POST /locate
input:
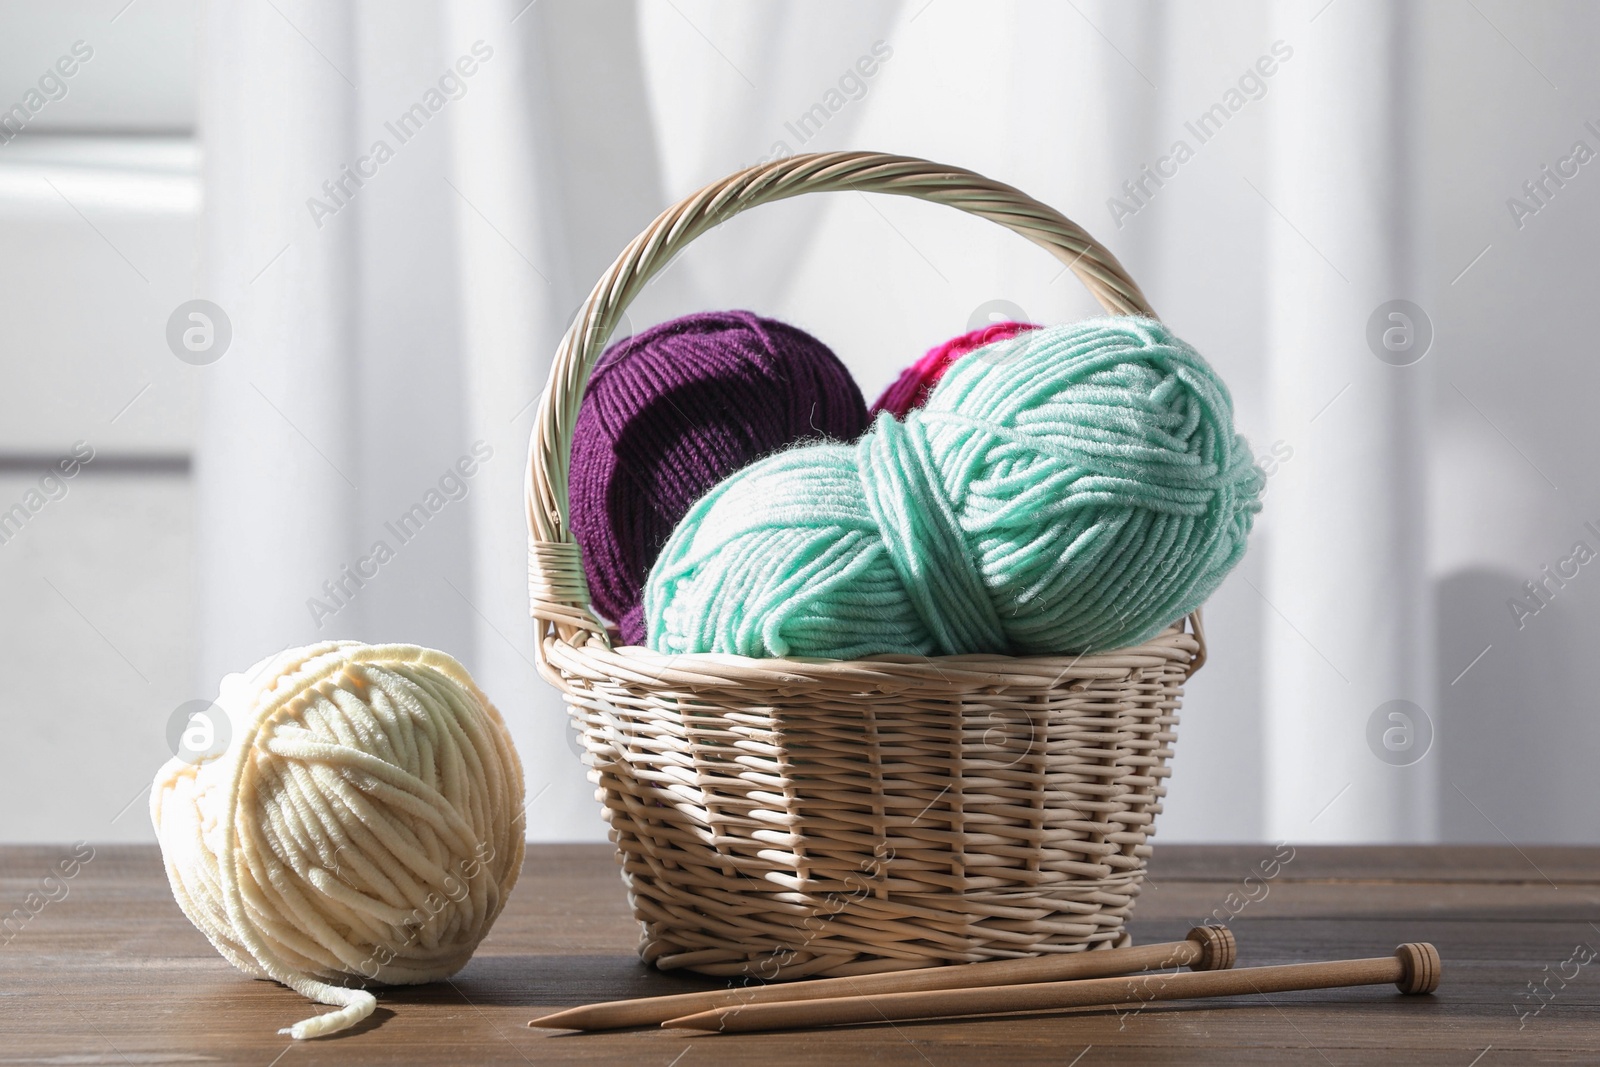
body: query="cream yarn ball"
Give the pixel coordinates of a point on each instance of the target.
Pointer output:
(364, 825)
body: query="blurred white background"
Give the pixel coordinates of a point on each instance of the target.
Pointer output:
(376, 338)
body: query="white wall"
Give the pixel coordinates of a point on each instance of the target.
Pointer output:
(99, 198)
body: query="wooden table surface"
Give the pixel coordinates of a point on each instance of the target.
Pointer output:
(112, 973)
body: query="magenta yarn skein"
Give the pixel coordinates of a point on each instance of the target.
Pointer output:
(671, 412)
(910, 391)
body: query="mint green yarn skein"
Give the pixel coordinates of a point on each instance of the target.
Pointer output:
(1073, 489)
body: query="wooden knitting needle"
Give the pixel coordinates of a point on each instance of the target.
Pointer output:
(1413, 967)
(1207, 948)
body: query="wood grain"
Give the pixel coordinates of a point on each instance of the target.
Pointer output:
(114, 974)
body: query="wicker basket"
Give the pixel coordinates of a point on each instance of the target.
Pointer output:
(784, 817)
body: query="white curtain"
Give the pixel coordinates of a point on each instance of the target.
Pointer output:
(1349, 627)
(382, 337)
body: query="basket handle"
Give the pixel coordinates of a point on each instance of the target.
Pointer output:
(557, 590)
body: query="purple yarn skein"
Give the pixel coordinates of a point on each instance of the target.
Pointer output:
(670, 413)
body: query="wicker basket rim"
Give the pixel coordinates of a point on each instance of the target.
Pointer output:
(1182, 642)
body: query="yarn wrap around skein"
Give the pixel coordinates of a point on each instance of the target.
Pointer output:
(1079, 491)
(364, 825)
(671, 412)
(915, 384)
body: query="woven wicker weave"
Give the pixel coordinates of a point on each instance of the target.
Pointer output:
(784, 817)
